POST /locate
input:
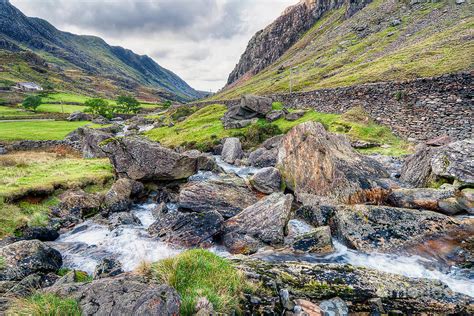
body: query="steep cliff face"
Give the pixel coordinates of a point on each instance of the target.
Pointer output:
(271, 43)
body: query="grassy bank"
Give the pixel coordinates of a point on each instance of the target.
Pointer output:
(204, 128)
(45, 304)
(37, 130)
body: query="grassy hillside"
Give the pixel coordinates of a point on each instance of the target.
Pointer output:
(387, 40)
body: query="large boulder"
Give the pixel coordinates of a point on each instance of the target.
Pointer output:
(263, 223)
(79, 116)
(122, 295)
(250, 108)
(88, 141)
(428, 199)
(385, 229)
(315, 162)
(267, 154)
(76, 205)
(267, 180)
(119, 197)
(232, 150)
(227, 195)
(140, 159)
(452, 162)
(27, 257)
(360, 287)
(187, 229)
(317, 241)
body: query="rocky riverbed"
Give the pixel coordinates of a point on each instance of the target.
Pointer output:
(316, 224)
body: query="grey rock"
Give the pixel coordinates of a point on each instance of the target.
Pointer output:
(119, 197)
(232, 150)
(228, 196)
(416, 170)
(318, 241)
(466, 200)
(259, 224)
(79, 116)
(243, 114)
(455, 161)
(422, 198)
(187, 229)
(295, 115)
(123, 218)
(122, 295)
(40, 233)
(205, 162)
(3, 150)
(439, 141)
(263, 157)
(334, 307)
(107, 268)
(140, 159)
(273, 142)
(76, 205)
(27, 257)
(274, 115)
(257, 104)
(267, 180)
(87, 140)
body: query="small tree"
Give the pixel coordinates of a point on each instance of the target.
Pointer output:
(128, 104)
(32, 102)
(167, 104)
(99, 107)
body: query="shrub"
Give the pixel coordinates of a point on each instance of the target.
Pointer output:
(45, 304)
(183, 111)
(200, 273)
(277, 106)
(167, 104)
(32, 102)
(258, 133)
(99, 107)
(127, 104)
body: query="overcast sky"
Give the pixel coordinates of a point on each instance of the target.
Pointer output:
(200, 40)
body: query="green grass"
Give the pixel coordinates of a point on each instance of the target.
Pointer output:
(200, 273)
(204, 128)
(45, 305)
(65, 98)
(60, 108)
(9, 112)
(24, 172)
(37, 130)
(79, 276)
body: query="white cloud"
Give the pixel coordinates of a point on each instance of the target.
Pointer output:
(200, 40)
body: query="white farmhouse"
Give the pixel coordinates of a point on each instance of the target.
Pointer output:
(28, 86)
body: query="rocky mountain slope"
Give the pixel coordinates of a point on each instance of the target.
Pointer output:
(84, 62)
(340, 43)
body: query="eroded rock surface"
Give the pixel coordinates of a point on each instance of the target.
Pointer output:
(267, 180)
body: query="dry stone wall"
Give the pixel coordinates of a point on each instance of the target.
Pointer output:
(419, 109)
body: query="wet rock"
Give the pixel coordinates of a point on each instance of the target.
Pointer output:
(87, 140)
(267, 180)
(318, 241)
(228, 196)
(205, 162)
(262, 157)
(421, 198)
(295, 115)
(76, 205)
(334, 307)
(119, 197)
(107, 268)
(383, 229)
(159, 209)
(259, 224)
(40, 233)
(356, 286)
(79, 116)
(187, 229)
(123, 218)
(232, 150)
(122, 295)
(140, 159)
(274, 115)
(317, 163)
(28, 257)
(27, 285)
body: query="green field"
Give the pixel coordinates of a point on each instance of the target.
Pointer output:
(65, 98)
(37, 130)
(60, 108)
(7, 112)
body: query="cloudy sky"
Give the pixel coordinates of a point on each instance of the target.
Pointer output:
(200, 40)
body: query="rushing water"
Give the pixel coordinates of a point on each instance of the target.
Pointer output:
(84, 246)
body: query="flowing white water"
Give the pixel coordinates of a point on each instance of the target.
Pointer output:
(241, 171)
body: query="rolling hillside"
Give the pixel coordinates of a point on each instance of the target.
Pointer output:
(31, 49)
(379, 41)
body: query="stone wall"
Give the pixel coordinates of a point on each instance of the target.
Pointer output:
(419, 109)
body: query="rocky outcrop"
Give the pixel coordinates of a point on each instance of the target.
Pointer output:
(263, 223)
(452, 162)
(267, 154)
(232, 150)
(119, 197)
(76, 205)
(123, 295)
(107, 268)
(227, 195)
(79, 116)
(187, 229)
(267, 180)
(317, 241)
(365, 290)
(247, 111)
(140, 159)
(87, 141)
(269, 44)
(27, 257)
(317, 163)
(384, 229)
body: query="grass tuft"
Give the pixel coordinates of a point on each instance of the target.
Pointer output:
(45, 304)
(200, 273)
